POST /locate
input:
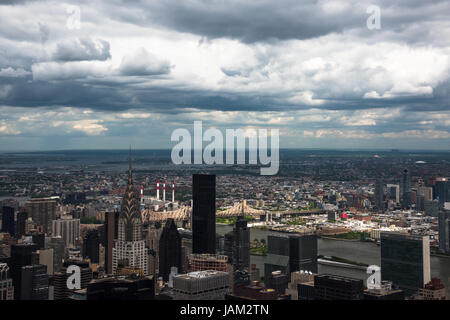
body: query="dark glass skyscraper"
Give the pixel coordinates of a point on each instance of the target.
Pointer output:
(91, 244)
(291, 253)
(111, 225)
(405, 260)
(379, 195)
(21, 255)
(442, 190)
(169, 249)
(20, 224)
(204, 213)
(406, 189)
(8, 224)
(332, 287)
(444, 230)
(241, 244)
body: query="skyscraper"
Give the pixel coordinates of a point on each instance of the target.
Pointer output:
(442, 190)
(68, 228)
(291, 253)
(379, 195)
(42, 211)
(332, 287)
(8, 224)
(129, 248)
(59, 252)
(34, 282)
(22, 217)
(91, 243)
(393, 190)
(21, 255)
(241, 244)
(169, 249)
(405, 260)
(60, 278)
(204, 213)
(444, 230)
(406, 189)
(111, 224)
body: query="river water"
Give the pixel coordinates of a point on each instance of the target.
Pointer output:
(365, 252)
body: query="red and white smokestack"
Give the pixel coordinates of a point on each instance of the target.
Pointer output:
(164, 190)
(173, 191)
(157, 189)
(142, 194)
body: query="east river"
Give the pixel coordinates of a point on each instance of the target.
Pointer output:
(364, 252)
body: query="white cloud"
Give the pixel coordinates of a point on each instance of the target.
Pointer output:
(88, 126)
(14, 73)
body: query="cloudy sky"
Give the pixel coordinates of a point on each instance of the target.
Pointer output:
(130, 72)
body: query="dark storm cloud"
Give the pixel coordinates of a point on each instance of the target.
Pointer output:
(260, 21)
(354, 78)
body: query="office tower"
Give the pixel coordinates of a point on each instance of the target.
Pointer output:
(169, 249)
(431, 208)
(123, 288)
(420, 202)
(111, 225)
(277, 281)
(433, 290)
(6, 283)
(202, 262)
(21, 255)
(39, 239)
(201, 285)
(42, 211)
(379, 195)
(289, 253)
(129, 248)
(152, 243)
(8, 223)
(91, 246)
(393, 190)
(228, 243)
(34, 282)
(442, 190)
(186, 240)
(331, 287)
(204, 213)
(22, 217)
(385, 292)
(62, 292)
(406, 189)
(67, 228)
(59, 252)
(241, 244)
(405, 260)
(444, 230)
(425, 192)
(46, 259)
